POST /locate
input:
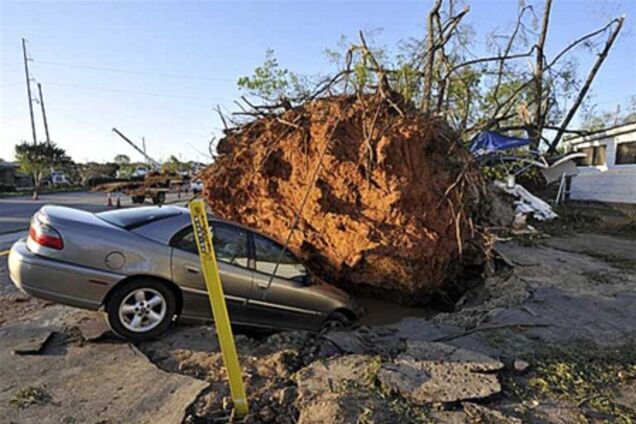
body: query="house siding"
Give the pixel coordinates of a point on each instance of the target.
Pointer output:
(610, 182)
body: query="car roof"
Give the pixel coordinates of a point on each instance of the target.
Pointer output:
(132, 218)
(164, 229)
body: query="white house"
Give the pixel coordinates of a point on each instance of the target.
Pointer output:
(608, 172)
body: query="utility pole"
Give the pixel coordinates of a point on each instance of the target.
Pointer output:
(143, 146)
(127, 140)
(46, 124)
(28, 84)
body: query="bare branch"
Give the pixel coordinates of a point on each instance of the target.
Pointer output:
(587, 84)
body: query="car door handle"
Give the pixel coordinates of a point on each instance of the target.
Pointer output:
(192, 269)
(262, 286)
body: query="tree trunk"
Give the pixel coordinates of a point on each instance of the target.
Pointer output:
(536, 127)
(428, 72)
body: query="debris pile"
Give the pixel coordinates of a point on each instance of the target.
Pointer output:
(394, 198)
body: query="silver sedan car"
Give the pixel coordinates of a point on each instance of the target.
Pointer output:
(142, 267)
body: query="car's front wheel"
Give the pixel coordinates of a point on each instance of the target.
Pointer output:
(141, 309)
(335, 320)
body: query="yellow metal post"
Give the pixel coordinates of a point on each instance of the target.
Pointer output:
(203, 238)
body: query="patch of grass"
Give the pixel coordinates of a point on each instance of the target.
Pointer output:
(28, 396)
(495, 338)
(585, 378)
(627, 230)
(368, 388)
(371, 373)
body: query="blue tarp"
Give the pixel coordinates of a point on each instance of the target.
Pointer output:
(490, 142)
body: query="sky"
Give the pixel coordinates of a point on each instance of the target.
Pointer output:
(158, 69)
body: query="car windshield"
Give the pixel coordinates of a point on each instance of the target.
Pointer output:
(137, 217)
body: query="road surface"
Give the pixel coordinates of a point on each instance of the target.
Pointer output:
(15, 212)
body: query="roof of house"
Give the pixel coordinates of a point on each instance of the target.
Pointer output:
(8, 165)
(604, 133)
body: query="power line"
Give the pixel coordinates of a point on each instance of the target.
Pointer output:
(6, 120)
(127, 71)
(10, 84)
(140, 93)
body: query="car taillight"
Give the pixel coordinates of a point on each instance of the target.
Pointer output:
(45, 235)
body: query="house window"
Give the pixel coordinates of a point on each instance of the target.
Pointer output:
(594, 156)
(626, 153)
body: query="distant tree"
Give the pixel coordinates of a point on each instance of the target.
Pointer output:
(173, 164)
(125, 167)
(272, 82)
(595, 120)
(38, 159)
(122, 160)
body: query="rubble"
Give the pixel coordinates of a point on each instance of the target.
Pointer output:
(338, 390)
(110, 382)
(479, 413)
(527, 203)
(435, 372)
(393, 209)
(520, 366)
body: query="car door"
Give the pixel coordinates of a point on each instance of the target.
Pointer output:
(232, 253)
(287, 303)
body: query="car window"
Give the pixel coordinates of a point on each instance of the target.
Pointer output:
(132, 218)
(230, 244)
(267, 253)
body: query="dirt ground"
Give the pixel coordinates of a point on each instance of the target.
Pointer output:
(550, 338)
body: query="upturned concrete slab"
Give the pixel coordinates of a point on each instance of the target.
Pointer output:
(435, 372)
(87, 382)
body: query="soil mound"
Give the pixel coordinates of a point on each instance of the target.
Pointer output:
(393, 206)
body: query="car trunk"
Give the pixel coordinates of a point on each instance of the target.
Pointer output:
(83, 236)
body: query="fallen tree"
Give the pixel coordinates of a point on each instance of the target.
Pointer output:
(373, 193)
(364, 175)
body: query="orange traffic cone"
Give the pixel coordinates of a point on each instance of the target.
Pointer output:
(110, 201)
(118, 202)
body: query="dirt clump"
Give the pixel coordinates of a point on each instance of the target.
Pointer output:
(393, 207)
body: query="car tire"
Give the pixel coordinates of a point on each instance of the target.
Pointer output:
(159, 198)
(141, 310)
(335, 320)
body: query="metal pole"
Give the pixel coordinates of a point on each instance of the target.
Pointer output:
(127, 140)
(143, 146)
(46, 124)
(28, 84)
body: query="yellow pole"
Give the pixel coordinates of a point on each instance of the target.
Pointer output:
(203, 238)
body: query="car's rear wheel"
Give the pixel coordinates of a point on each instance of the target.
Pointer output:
(335, 320)
(141, 309)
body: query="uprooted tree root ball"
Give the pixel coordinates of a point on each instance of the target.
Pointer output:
(393, 208)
